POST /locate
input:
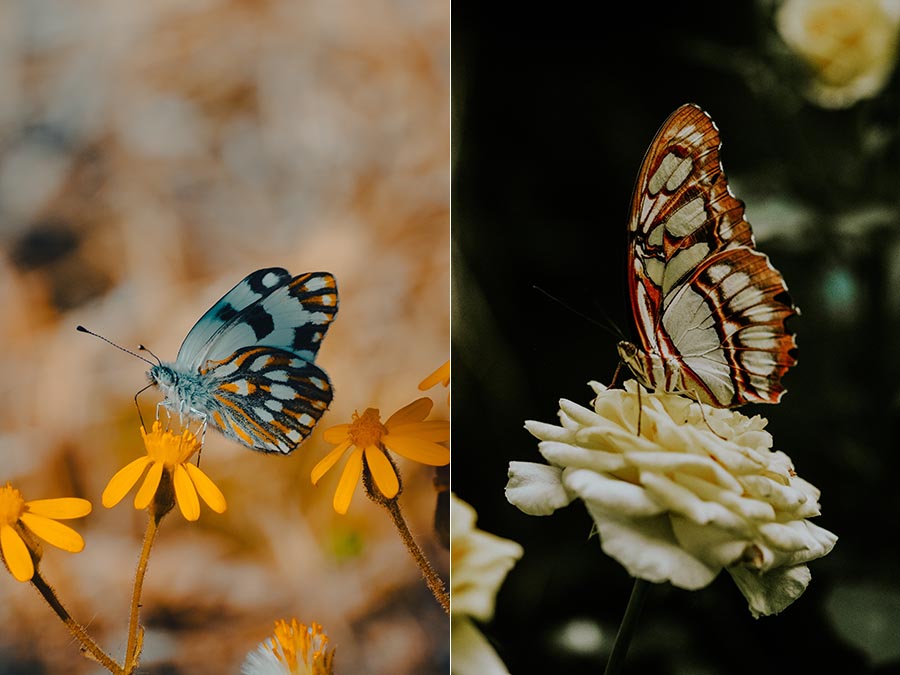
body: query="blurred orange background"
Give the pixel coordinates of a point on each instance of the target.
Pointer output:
(152, 155)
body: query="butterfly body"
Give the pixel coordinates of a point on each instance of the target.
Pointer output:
(247, 364)
(709, 308)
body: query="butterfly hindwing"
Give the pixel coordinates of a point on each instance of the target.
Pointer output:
(710, 309)
(266, 398)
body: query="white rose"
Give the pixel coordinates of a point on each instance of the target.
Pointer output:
(850, 47)
(700, 490)
(479, 562)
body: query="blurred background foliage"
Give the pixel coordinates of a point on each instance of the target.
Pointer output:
(553, 111)
(152, 155)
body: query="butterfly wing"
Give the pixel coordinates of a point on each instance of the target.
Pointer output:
(702, 296)
(286, 313)
(266, 398)
(249, 290)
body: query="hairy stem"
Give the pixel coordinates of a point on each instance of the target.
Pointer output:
(135, 632)
(432, 579)
(88, 647)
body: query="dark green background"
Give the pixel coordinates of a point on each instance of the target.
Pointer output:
(553, 111)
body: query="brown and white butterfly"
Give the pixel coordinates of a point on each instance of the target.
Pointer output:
(710, 309)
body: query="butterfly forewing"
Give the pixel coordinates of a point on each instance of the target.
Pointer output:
(710, 310)
(293, 316)
(252, 288)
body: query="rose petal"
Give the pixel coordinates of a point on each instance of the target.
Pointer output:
(647, 548)
(611, 494)
(536, 489)
(773, 591)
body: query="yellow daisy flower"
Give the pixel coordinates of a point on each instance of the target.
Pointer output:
(296, 649)
(167, 456)
(405, 432)
(19, 520)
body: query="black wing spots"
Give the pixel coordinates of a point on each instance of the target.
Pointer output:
(266, 280)
(259, 320)
(226, 313)
(307, 337)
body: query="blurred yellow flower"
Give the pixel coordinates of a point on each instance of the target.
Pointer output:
(405, 432)
(441, 375)
(18, 518)
(167, 454)
(296, 649)
(850, 47)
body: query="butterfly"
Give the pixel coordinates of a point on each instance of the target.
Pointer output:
(247, 366)
(710, 309)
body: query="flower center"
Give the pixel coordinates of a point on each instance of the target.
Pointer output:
(167, 448)
(366, 429)
(302, 647)
(11, 505)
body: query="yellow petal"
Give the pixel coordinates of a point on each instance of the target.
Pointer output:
(16, 554)
(328, 461)
(424, 452)
(123, 481)
(336, 434)
(382, 471)
(208, 490)
(442, 374)
(415, 412)
(186, 493)
(148, 489)
(436, 431)
(60, 509)
(348, 481)
(57, 534)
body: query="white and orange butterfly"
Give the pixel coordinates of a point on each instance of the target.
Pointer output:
(709, 308)
(247, 365)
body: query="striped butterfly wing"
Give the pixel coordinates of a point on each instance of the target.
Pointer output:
(268, 308)
(267, 398)
(251, 358)
(710, 309)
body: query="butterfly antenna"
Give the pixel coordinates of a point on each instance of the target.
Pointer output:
(127, 351)
(142, 348)
(609, 325)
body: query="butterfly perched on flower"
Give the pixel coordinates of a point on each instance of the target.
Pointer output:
(709, 308)
(247, 365)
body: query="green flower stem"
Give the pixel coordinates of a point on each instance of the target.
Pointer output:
(627, 627)
(88, 647)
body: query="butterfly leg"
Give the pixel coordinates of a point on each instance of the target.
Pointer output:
(640, 408)
(696, 398)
